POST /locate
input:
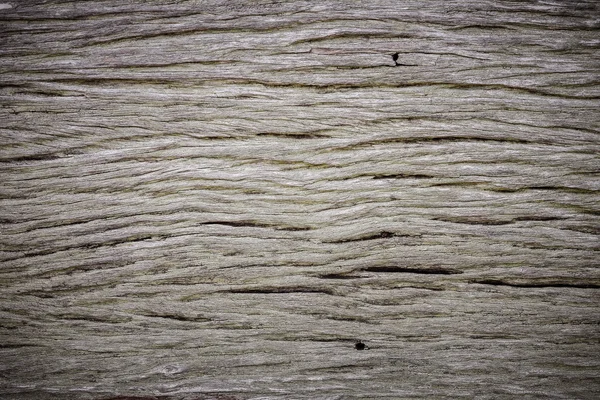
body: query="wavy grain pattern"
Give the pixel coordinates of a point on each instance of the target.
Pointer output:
(215, 199)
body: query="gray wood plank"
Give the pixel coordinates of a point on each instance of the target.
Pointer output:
(216, 199)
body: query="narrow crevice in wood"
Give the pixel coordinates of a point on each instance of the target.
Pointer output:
(281, 290)
(541, 283)
(403, 176)
(412, 270)
(238, 224)
(340, 276)
(373, 236)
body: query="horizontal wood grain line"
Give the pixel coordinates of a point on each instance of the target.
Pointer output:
(369, 236)
(565, 282)
(412, 270)
(176, 81)
(281, 290)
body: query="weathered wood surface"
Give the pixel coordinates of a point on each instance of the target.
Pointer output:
(214, 199)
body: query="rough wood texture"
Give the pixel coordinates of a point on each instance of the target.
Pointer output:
(214, 199)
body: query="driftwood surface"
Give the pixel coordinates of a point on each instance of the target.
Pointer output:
(215, 199)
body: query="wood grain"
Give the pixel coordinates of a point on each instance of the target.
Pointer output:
(215, 199)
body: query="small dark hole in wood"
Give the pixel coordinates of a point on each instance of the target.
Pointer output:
(361, 346)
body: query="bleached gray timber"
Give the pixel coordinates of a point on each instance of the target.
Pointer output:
(217, 199)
